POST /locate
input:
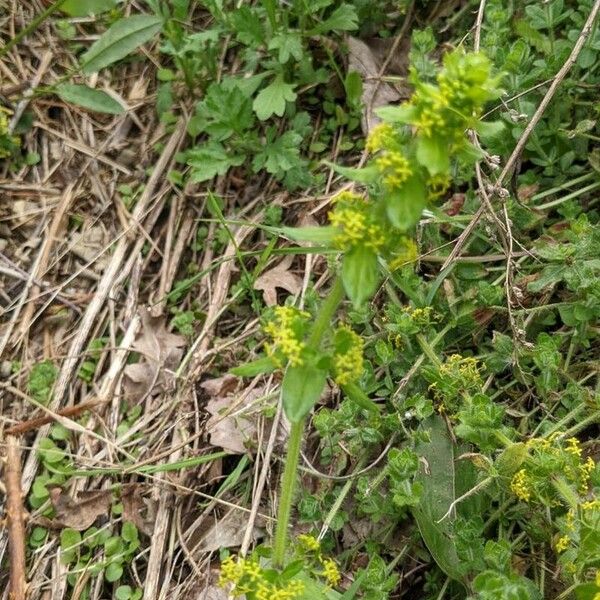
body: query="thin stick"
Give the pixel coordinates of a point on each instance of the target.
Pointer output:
(15, 520)
(36, 423)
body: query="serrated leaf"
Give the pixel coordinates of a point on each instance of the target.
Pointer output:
(289, 45)
(405, 205)
(360, 275)
(279, 154)
(211, 159)
(87, 97)
(272, 99)
(119, 40)
(83, 8)
(343, 18)
(301, 388)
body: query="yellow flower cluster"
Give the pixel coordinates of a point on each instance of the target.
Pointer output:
(285, 329)
(573, 446)
(394, 167)
(309, 543)
(405, 251)
(430, 119)
(352, 216)
(521, 485)
(562, 543)
(348, 364)
(423, 317)
(467, 370)
(330, 572)
(247, 577)
(380, 137)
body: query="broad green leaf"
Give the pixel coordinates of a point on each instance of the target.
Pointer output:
(89, 98)
(289, 45)
(301, 388)
(279, 154)
(256, 367)
(113, 572)
(587, 591)
(366, 175)
(488, 129)
(432, 153)
(320, 235)
(271, 100)
(343, 18)
(438, 476)
(119, 40)
(360, 275)
(405, 205)
(353, 86)
(404, 113)
(83, 8)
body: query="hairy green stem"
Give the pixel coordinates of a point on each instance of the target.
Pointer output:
(35, 23)
(288, 486)
(288, 479)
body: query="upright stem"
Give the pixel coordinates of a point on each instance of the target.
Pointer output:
(288, 485)
(288, 479)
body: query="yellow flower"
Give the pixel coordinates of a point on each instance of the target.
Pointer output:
(231, 571)
(309, 542)
(348, 363)
(562, 544)
(380, 137)
(590, 505)
(285, 331)
(331, 573)
(520, 485)
(352, 216)
(395, 167)
(573, 446)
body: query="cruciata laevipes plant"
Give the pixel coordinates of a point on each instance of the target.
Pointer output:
(413, 155)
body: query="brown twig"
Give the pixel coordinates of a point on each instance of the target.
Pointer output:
(15, 519)
(70, 411)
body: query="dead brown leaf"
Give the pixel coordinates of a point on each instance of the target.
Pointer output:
(366, 58)
(227, 532)
(79, 513)
(278, 278)
(161, 352)
(140, 511)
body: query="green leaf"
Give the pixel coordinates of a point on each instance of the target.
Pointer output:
(488, 129)
(404, 113)
(343, 18)
(432, 153)
(69, 538)
(119, 40)
(319, 235)
(41, 380)
(360, 275)
(366, 175)
(438, 476)
(49, 452)
(83, 8)
(586, 591)
(300, 390)
(129, 532)
(89, 98)
(354, 88)
(271, 100)
(211, 159)
(123, 592)
(256, 367)
(279, 154)
(405, 205)
(289, 44)
(113, 572)
(359, 398)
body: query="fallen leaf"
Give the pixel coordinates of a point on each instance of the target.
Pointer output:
(278, 277)
(89, 243)
(160, 352)
(79, 513)
(227, 532)
(231, 433)
(366, 59)
(140, 511)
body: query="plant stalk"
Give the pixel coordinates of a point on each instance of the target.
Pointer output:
(288, 479)
(288, 486)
